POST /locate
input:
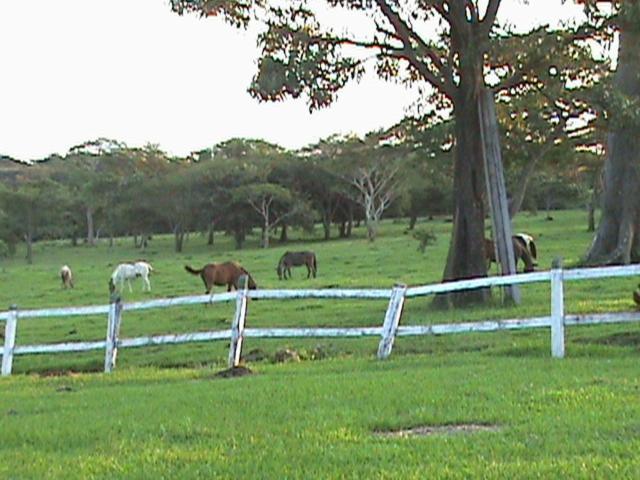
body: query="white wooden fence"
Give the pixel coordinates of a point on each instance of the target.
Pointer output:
(556, 321)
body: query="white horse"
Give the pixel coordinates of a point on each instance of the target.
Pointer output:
(66, 276)
(127, 271)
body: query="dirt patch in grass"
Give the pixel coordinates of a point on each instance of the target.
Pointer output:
(428, 430)
(233, 372)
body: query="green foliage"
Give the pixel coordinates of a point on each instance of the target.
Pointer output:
(425, 238)
(5, 251)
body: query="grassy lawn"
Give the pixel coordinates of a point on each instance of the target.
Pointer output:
(576, 418)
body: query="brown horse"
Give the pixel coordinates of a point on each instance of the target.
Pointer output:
(519, 250)
(227, 273)
(296, 259)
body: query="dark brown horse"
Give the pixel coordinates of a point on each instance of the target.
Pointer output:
(227, 273)
(296, 259)
(519, 250)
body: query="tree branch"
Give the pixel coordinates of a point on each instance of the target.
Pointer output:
(406, 35)
(489, 17)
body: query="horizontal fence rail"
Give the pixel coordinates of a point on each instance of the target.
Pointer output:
(391, 329)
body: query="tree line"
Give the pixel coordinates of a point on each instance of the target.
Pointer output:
(104, 189)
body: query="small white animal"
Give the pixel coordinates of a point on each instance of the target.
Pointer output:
(66, 276)
(127, 271)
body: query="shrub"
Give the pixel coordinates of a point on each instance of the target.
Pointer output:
(425, 238)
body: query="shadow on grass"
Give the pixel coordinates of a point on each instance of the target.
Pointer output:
(619, 339)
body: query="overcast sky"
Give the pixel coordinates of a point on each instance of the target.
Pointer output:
(76, 70)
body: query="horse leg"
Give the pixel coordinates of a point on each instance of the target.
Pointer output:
(129, 283)
(147, 283)
(308, 271)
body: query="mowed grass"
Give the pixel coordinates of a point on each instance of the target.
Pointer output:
(164, 414)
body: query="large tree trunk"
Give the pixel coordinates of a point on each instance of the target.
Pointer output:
(617, 240)
(466, 257)
(90, 228)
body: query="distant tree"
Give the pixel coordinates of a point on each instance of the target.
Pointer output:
(174, 199)
(26, 213)
(426, 145)
(85, 162)
(317, 181)
(271, 202)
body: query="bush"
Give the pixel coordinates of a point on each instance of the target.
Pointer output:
(425, 238)
(5, 251)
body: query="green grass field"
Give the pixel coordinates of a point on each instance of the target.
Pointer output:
(164, 413)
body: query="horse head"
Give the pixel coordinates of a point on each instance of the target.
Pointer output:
(279, 270)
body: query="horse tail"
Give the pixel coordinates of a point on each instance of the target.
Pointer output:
(193, 270)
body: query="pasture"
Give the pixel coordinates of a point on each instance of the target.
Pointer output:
(577, 417)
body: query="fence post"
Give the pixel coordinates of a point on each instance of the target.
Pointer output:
(9, 340)
(391, 320)
(237, 328)
(557, 309)
(113, 332)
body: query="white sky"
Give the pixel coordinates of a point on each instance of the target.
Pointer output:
(76, 70)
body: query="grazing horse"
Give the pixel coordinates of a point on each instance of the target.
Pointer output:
(66, 276)
(226, 273)
(519, 251)
(296, 259)
(127, 271)
(527, 242)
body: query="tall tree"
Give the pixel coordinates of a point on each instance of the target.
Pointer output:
(436, 43)
(87, 162)
(617, 238)
(271, 202)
